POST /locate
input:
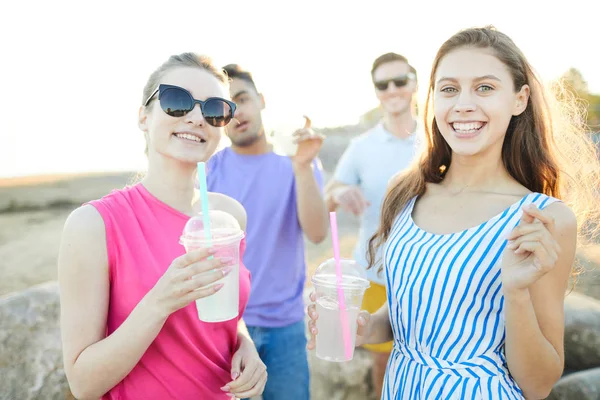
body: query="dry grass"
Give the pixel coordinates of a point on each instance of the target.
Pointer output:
(33, 211)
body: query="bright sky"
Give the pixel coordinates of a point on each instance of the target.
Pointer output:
(74, 71)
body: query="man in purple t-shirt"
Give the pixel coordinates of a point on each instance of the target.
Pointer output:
(283, 197)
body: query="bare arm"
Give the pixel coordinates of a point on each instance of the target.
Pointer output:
(343, 189)
(535, 316)
(243, 330)
(377, 328)
(312, 212)
(84, 288)
(349, 197)
(248, 372)
(94, 363)
(330, 190)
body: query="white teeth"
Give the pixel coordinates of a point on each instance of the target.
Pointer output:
(189, 137)
(468, 127)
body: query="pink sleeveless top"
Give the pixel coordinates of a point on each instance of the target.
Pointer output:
(189, 359)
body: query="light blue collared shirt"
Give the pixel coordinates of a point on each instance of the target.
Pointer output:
(369, 162)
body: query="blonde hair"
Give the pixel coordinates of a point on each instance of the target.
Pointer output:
(190, 60)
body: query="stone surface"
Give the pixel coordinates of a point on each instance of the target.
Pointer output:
(582, 332)
(584, 385)
(30, 345)
(342, 381)
(31, 357)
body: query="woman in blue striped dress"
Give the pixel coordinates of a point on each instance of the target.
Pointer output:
(477, 248)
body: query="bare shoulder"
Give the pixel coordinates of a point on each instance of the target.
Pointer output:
(85, 223)
(83, 276)
(563, 218)
(219, 201)
(83, 243)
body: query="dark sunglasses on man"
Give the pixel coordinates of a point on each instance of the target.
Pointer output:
(399, 81)
(177, 102)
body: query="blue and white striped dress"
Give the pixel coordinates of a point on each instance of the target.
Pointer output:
(446, 309)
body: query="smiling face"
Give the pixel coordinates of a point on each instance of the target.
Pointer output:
(189, 138)
(474, 99)
(395, 100)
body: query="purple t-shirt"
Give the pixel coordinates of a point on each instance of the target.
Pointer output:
(265, 185)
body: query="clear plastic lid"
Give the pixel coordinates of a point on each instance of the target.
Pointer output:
(353, 275)
(224, 227)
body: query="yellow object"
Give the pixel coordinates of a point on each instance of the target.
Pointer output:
(375, 297)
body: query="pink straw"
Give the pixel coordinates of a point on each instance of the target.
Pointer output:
(338, 273)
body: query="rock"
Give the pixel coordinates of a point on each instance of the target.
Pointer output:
(582, 332)
(341, 381)
(584, 385)
(30, 345)
(587, 280)
(31, 356)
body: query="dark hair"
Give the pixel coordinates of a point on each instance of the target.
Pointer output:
(191, 60)
(390, 57)
(234, 71)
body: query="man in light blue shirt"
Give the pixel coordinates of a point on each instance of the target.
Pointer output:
(361, 177)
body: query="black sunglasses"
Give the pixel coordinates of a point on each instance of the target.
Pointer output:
(399, 81)
(176, 102)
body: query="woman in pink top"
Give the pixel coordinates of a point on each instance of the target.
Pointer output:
(129, 323)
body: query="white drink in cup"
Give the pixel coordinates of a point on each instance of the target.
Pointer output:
(225, 238)
(330, 337)
(283, 143)
(283, 139)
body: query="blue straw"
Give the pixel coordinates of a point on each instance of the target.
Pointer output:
(204, 201)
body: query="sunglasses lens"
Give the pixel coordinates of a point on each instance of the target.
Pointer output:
(217, 112)
(381, 85)
(175, 102)
(400, 82)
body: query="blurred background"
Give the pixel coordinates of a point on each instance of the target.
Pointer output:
(74, 71)
(73, 78)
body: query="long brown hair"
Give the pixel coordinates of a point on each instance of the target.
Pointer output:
(546, 148)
